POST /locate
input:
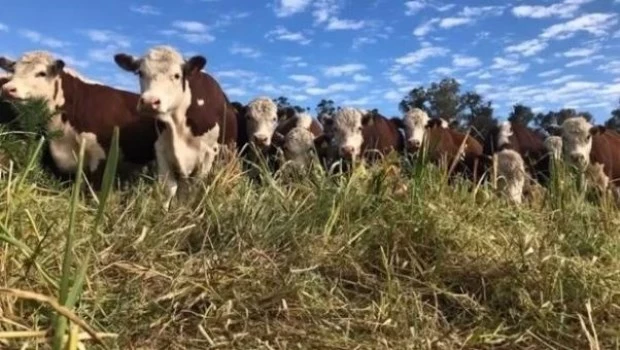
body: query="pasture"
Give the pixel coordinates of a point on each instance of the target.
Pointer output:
(306, 261)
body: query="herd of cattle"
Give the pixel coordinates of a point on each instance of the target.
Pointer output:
(182, 119)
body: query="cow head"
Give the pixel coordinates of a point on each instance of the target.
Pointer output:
(35, 75)
(262, 116)
(163, 75)
(577, 135)
(347, 131)
(298, 145)
(415, 121)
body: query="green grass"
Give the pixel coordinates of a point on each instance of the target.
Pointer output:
(315, 263)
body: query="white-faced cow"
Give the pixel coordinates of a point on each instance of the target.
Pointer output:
(585, 145)
(444, 144)
(511, 174)
(257, 122)
(525, 141)
(361, 134)
(82, 110)
(191, 109)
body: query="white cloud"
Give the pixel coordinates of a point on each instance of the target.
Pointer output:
(345, 69)
(107, 37)
(344, 24)
(528, 47)
(294, 61)
(413, 7)
(285, 8)
(563, 79)
(39, 38)
(451, 22)
(323, 10)
(238, 92)
(509, 66)
(593, 23)
(330, 89)
(580, 52)
(550, 73)
(361, 78)
(103, 54)
(416, 57)
(393, 95)
(3, 27)
(461, 61)
(191, 31)
(281, 33)
(612, 67)
(565, 9)
(425, 27)
(443, 71)
(362, 101)
(245, 51)
(305, 79)
(145, 10)
(482, 11)
(190, 26)
(227, 19)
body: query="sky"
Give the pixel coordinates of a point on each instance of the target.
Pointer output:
(547, 54)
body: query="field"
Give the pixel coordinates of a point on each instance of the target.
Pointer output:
(312, 263)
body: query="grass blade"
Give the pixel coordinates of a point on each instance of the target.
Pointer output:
(108, 176)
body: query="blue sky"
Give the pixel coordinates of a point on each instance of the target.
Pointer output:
(368, 53)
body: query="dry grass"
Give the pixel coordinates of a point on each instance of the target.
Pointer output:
(318, 263)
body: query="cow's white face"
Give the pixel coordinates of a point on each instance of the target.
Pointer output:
(163, 78)
(415, 122)
(347, 132)
(261, 115)
(35, 75)
(577, 135)
(298, 144)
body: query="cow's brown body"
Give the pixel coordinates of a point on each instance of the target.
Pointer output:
(528, 143)
(604, 151)
(445, 146)
(380, 135)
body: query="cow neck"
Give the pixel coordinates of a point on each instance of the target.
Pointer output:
(176, 121)
(58, 103)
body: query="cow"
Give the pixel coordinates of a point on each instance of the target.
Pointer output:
(256, 123)
(444, 143)
(553, 144)
(511, 174)
(82, 110)
(301, 136)
(528, 143)
(194, 116)
(587, 146)
(7, 112)
(358, 134)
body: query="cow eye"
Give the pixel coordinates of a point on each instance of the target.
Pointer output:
(41, 74)
(177, 76)
(359, 129)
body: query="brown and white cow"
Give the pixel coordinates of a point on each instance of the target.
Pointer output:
(300, 137)
(361, 134)
(190, 106)
(586, 146)
(256, 123)
(7, 112)
(82, 110)
(525, 141)
(444, 144)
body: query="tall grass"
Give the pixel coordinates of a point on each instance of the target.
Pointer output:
(314, 262)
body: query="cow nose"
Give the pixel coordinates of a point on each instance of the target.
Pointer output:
(260, 139)
(347, 150)
(9, 90)
(414, 144)
(578, 159)
(152, 103)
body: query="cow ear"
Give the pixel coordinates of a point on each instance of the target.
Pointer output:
(400, 124)
(7, 64)
(554, 130)
(599, 129)
(194, 65)
(367, 119)
(57, 67)
(277, 139)
(127, 62)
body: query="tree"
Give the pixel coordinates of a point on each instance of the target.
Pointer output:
(544, 120)
(614, 121)
(416, 98)
(445, 100)
(325, 107)
(282, 102)
(521, 114)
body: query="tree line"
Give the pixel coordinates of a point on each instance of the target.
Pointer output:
(444, 99)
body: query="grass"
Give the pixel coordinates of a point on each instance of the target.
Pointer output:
(316, 263)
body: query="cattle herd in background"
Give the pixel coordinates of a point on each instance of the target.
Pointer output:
(182, 120)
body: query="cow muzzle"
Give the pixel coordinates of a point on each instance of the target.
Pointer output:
(261, 140)
(347, 151)
(413, 145)
(149, 104)
(579, 160)
(9, 91)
